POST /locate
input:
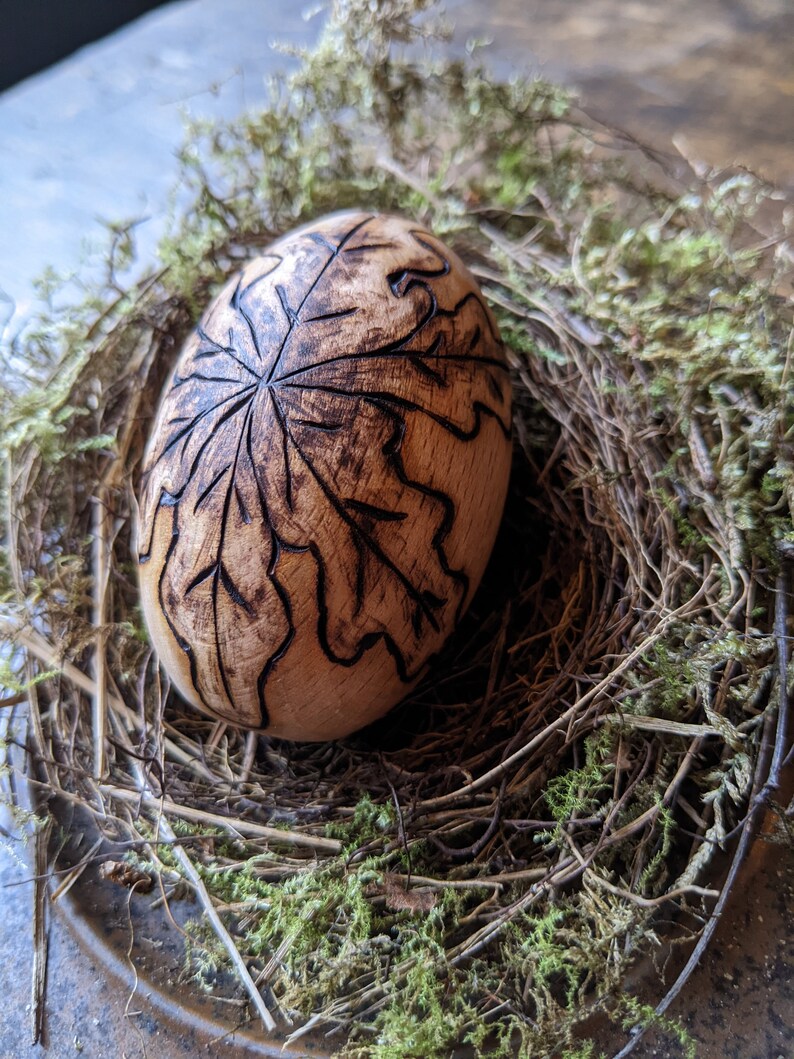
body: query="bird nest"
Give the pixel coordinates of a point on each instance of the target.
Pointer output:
(485, 865)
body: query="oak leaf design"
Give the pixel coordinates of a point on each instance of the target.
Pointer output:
(282, 433)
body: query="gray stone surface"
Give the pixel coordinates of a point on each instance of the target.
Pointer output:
(94, 138)
(712, 75)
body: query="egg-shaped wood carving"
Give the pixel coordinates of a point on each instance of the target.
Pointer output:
(325, 478)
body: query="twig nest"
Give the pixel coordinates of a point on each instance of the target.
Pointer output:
(325, 478)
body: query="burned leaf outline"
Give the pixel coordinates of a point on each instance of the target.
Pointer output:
(247, 381)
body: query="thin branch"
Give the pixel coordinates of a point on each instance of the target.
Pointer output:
(14, 700)
(164, 828)
(649, 902)
(782, 646)
(40, 942)
(99, 620)
(239, 827)
(217, 925)
(660, 724)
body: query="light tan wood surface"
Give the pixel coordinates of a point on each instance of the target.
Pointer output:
(325, 478)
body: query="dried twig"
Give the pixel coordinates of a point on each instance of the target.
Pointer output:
(783, 649)
(228, 943)
(40, 942)
(99, 621)
(236, 825)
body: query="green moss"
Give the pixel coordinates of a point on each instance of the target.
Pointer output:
(660, 840)
(634, 1014)
(12, 682)
(369, 821)
(578, 791)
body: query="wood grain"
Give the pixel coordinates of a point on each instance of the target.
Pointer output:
(325, 478)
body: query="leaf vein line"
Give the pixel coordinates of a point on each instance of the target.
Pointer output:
(376, 550)
(296, 314)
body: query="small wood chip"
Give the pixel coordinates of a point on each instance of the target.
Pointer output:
(398, 899)
(118, 871)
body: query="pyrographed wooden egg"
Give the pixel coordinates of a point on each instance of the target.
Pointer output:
(325, 478)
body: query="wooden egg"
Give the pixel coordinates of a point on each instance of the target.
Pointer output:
(325, 478)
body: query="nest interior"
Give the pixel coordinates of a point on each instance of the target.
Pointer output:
(484, 865)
